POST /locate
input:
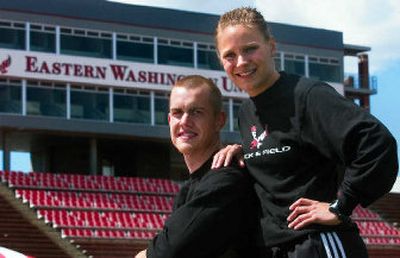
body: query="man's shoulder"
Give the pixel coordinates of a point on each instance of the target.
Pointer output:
(227, 175)
(231, 169)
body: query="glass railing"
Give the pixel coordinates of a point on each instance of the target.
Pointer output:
(355, 81)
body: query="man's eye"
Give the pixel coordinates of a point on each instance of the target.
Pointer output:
(176, 113)
(195, 112)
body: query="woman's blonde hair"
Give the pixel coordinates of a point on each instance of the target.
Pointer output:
(246, 16)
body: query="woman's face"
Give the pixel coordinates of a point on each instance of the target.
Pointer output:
(247, 58)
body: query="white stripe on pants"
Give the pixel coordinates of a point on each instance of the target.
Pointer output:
(333, 245)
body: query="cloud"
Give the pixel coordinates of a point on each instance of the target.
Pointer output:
(203, 6)
(371, 23)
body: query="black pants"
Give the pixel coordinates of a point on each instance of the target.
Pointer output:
(322, 245)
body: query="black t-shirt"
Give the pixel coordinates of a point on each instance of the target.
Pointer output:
(213, 215)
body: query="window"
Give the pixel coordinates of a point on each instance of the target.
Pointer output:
(42, 39)
(325, 69)
(10, 98)
(207, 57)
(294, 64)
(132, 108)
(235, 115)
(89, 104)
(225, 107)
(12, 35)
(161, 109)
(46, 101)
(277, 61)
(175, 53)
(135, 49)
(236, 108)
(85, 43)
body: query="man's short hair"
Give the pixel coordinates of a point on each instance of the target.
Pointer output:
(198, 81)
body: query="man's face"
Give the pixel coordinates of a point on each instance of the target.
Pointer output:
(194, 126)
(247, 58)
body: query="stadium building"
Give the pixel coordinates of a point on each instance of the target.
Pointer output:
(84, 90)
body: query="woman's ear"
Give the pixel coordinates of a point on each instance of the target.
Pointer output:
(272, 44)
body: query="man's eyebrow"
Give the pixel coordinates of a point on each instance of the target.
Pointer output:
(189, 109)
(197, 107)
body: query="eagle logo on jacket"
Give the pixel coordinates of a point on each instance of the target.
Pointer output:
(257, 140)
(5, 64)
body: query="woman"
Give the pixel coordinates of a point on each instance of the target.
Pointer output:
(296, 134)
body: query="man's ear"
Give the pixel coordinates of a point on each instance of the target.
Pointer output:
(221, 119)
(169, 118)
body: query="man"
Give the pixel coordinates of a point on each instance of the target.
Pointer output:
(214, 209)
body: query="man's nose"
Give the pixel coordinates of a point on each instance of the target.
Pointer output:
(185, 118)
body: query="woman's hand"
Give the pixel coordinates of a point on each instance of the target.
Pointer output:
(306, 211)
(224, 156)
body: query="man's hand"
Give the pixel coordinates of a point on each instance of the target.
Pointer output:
(142, 254)
(224, 156)
(306, 212)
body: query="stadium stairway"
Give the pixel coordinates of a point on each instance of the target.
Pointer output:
(20, 230)
(69, 215)
(88, 216)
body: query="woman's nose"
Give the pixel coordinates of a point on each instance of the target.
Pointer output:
(241, 59)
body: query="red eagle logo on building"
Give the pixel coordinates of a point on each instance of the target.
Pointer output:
(5, 64)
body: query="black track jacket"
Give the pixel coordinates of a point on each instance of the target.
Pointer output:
(295, 136)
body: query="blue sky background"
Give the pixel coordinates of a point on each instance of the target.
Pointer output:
(372, 23)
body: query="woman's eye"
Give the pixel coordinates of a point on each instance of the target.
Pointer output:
(250, 49)
(229, 57)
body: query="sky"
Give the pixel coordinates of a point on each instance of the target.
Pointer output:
(372, 23)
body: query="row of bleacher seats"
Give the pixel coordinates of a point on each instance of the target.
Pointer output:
(364, 214)
(90, 233)
(102, 219)
(377, 228)
(95, 200)
(382, 240)
(40, 180)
